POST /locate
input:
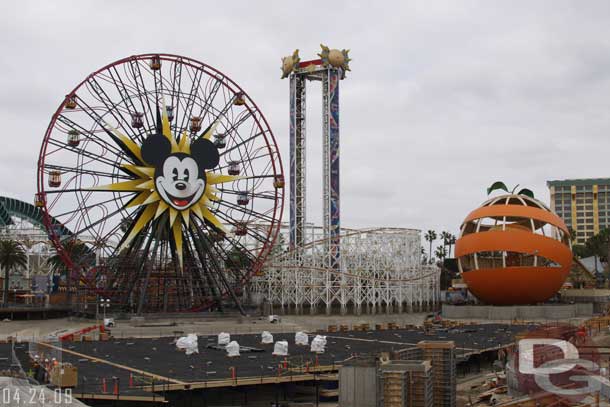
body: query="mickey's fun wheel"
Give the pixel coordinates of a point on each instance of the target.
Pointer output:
(167, 170)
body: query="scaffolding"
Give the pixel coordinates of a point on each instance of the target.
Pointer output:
(441, 354)
(380, 271)
(406, 384)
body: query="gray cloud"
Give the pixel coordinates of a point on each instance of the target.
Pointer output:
(444, 97)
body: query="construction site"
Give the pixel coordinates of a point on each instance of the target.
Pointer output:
(160, 270)
(441, 363)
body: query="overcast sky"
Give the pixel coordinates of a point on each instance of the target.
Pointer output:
(443, 99)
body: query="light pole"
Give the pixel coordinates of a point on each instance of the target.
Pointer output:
(105, 303)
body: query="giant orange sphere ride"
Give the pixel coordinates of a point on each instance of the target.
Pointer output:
(513, 250)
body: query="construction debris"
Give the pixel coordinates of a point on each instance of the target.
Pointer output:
(301, 338)
(318, 344)
(224, 338)
(280, 348)
(266, 337)
(188, 344)
(232, 349)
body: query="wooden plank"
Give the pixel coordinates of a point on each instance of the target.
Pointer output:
(119, 366)
(96, 396)
(244, 381)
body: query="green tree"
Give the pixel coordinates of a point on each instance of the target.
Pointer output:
(452, 240)
(424, 256)
(238, 259)
(597, 245)
(430, 237)
(580, 251)
(448, 241)
(12, 255)
(572, 233)
(441, 254)
(81, 256)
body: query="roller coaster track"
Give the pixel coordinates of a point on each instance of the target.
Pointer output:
(14, 207)
(275, 261)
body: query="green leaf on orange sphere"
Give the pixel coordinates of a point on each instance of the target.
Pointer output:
(495, 186)
(526, 192)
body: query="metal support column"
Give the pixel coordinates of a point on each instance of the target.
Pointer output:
(331, 221)
(297, 160)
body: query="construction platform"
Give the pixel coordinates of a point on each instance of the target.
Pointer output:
(558, 312)
(28, 312)
(146, 369)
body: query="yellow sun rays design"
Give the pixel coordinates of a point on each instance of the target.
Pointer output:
(143, 184)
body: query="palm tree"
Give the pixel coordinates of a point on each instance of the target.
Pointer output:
(430, 236)
(445, 237)
(424, 257)
(451, 242)
(81, 256)
(12, 255)
(440, 254)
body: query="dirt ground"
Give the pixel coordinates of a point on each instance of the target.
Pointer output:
(203, 326)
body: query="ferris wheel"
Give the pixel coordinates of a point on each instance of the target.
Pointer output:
(161, 165)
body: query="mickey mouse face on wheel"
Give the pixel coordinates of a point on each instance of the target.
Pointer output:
(180, 178)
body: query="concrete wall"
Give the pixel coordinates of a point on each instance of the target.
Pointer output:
(358, 386)
(554, 311)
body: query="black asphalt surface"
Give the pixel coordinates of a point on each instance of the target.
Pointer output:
(470, 337)
(159, 356)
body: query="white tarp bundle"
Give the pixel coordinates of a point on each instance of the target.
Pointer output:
(266, 337)
(318, 344)
(301, 338)
(232, 349)
(188, 343)
(280, 348)
(224, 338)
